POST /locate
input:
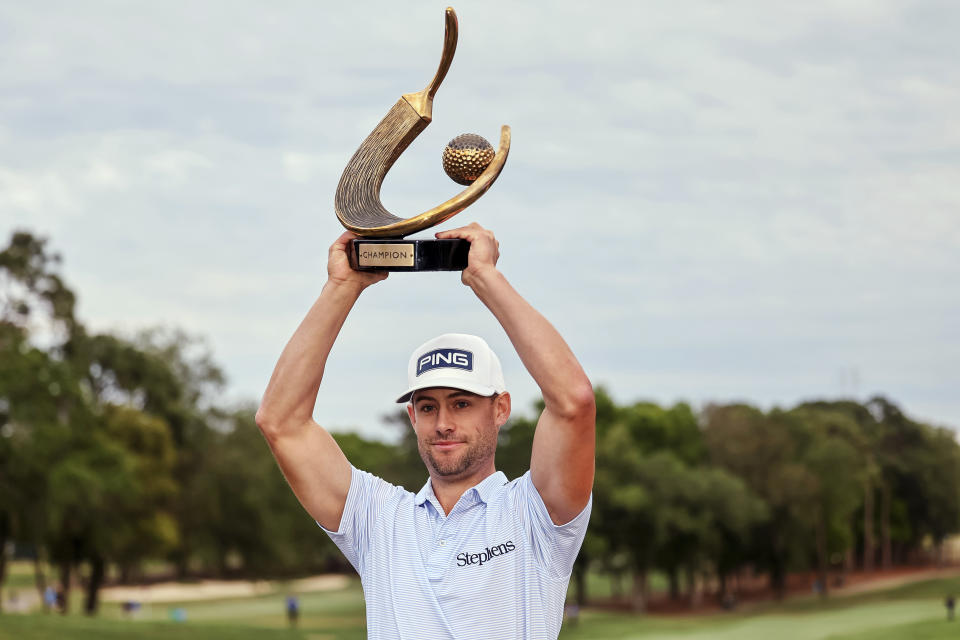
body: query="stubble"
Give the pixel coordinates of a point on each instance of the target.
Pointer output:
(445, 466)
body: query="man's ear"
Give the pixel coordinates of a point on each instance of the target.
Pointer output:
(503, 406)
(411, 414)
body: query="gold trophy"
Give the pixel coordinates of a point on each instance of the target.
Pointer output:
(468, 159)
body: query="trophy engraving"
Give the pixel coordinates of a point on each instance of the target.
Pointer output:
(375, 254)
(468, 159)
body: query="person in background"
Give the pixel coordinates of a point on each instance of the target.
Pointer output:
(293, 610)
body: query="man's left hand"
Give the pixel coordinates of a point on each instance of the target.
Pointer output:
(484, 250)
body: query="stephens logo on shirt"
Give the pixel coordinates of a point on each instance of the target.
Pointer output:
(488, 554)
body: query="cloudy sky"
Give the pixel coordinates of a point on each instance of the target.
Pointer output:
(713, 201)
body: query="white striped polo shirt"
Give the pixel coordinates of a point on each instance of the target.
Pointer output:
(495, 568)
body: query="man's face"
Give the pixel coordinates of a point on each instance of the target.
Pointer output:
(457, 430)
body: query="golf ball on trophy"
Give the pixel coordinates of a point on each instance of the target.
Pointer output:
(465, 157)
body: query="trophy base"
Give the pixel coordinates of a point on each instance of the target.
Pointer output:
(408, 255)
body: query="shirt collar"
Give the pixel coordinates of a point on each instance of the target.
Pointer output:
(484, 490)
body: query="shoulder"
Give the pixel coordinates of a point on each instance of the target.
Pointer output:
(376, 488)
(522, 491)
(371, 502)
(369, 498)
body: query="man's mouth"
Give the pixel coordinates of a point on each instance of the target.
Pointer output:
(446, 445)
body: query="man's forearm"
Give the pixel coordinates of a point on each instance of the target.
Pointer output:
(292, 392)
(545, 354)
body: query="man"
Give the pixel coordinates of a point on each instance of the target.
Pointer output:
(293, 609)
(471, 555)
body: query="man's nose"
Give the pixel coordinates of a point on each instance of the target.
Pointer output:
(444, 420)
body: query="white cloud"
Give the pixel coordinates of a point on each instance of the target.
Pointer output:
(101, 175)
(305, 167)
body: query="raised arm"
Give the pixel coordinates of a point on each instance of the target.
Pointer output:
(562, 462)
(309, 457)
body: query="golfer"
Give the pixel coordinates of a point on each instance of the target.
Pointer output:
(472, 554)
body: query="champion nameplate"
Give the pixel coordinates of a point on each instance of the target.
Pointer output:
(385, 255)
(450, 358)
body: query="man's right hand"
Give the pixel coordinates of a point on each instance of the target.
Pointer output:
(339, 270)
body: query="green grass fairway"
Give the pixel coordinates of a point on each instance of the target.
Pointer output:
(929, 630)
(336, 612)
(55, 627)
(913, 611)
(836, 623)
(325, 615)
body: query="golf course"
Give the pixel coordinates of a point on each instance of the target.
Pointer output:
(335, 611)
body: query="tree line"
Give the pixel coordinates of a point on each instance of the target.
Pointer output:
(116, 454)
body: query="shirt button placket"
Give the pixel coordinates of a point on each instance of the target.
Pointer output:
(442, 534)
(435, 566)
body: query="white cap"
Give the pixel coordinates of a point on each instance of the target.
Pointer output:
(456, 361)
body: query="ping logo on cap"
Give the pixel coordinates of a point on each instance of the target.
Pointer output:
(445, 358)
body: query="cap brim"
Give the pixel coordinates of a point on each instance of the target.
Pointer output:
(448, 383)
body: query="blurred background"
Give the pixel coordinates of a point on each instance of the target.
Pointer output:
(743, 217)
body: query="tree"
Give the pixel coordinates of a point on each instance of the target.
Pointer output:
(86, 478)
(762, 450)
(921, 469)
(33, 297)
(38, 390)
(658, 503)
(172, 377)
(834, 451)
(146, 527)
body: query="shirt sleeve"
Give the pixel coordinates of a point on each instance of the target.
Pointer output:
(368, 496)
(555, 546)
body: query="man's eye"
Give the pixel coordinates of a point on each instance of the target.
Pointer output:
(462, 404)
(426, 408)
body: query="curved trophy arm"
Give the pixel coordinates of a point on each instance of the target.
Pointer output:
(394, 227)
(357, 201)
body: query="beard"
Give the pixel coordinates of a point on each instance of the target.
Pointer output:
(471, 453)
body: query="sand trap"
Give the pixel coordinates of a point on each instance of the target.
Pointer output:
(216, 589)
